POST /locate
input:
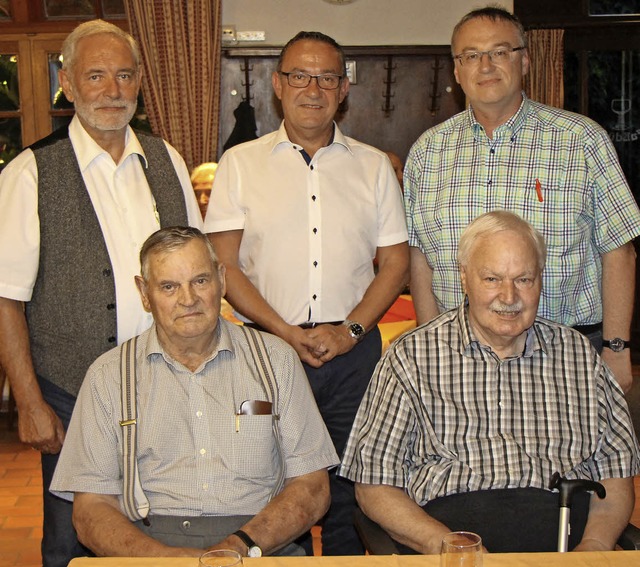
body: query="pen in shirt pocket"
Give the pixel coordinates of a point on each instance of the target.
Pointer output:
(539, 190)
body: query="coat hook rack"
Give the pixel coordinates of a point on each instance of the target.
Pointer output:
(435, 95)
(247, 83)
(388, 94)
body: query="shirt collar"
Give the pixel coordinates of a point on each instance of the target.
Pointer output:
(538, 335)
(224, 343)
(87, 149)
(282, 138)
(508, 130)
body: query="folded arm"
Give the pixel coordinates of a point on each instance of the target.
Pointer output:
(106, 531)
(401, 517)
(384, 289)
(302, 502)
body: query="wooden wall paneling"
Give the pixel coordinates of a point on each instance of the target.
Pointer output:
(413, 90)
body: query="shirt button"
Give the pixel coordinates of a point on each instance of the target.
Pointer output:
(111, 339)
(203, 451)
(111, 306)
(198, 414)
(106, 272)
(205, 486)
(311, 167)
(186, 524)
(315, 264)
(313, 197)
(315, 231)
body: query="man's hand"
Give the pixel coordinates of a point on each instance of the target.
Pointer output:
(41, 428)
(306, 347)
(319, 344)
(330, 341)
(591, 545)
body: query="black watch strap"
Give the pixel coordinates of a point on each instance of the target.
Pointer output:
(616, 345)
(253, 547)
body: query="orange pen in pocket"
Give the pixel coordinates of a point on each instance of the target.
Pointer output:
(539, 190)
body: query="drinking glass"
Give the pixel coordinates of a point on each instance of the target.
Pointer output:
(461, 549)
(220, 558)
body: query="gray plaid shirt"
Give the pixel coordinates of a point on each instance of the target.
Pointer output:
(443, 414)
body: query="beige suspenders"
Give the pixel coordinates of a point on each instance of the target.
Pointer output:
(136, 505)
(263, 365)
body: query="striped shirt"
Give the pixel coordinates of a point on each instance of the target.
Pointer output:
(195, 456)
(556, 169)
(443, 414)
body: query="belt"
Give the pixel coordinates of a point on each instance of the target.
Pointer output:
(313, 324)
(309, 325)
(588, 329)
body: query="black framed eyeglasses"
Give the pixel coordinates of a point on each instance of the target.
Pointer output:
(300, 80)
(496, 56)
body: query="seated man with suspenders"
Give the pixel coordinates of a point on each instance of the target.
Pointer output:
(197, 434)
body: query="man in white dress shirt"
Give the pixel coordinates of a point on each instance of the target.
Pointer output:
(75, 209)
(298, 216)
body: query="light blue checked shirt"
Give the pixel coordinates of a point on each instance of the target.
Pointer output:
(583, 205)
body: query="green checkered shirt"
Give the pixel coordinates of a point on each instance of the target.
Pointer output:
(583, 205)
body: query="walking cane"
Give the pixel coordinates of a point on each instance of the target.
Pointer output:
(567, 488)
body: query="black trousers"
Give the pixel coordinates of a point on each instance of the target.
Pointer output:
(515, 520)
(338, 387)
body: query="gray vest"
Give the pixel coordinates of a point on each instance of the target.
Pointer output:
(72, 312)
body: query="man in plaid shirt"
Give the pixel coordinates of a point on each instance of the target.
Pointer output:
(467, 417)
(556, 169)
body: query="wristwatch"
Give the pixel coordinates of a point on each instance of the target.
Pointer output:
(616, 345)
(356, 330)
(254, 549)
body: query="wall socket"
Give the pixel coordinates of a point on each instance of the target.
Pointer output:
(351, 71)
(229, 34)
(250, 36)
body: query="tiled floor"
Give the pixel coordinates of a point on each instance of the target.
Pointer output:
(21, 502)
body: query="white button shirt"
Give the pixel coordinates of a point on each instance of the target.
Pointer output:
(123, 204)
(310, 232)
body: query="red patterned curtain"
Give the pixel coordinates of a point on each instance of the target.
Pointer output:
(180, 43)
(545, 80)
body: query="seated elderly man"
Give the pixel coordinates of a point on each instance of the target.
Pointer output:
(467, 417)
(211, 440)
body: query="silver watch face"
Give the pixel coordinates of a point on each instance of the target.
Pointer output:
(254, 551)
(356, 330)
(616, 345)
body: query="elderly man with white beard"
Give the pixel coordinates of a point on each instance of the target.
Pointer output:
(75, 208)
(467, 418)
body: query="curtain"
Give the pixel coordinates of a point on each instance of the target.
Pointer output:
(180, 44)
(545, 80)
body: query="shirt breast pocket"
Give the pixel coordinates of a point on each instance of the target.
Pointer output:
(254, 448)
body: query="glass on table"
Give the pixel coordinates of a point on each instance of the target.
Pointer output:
(220, 558)
(461, 549)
